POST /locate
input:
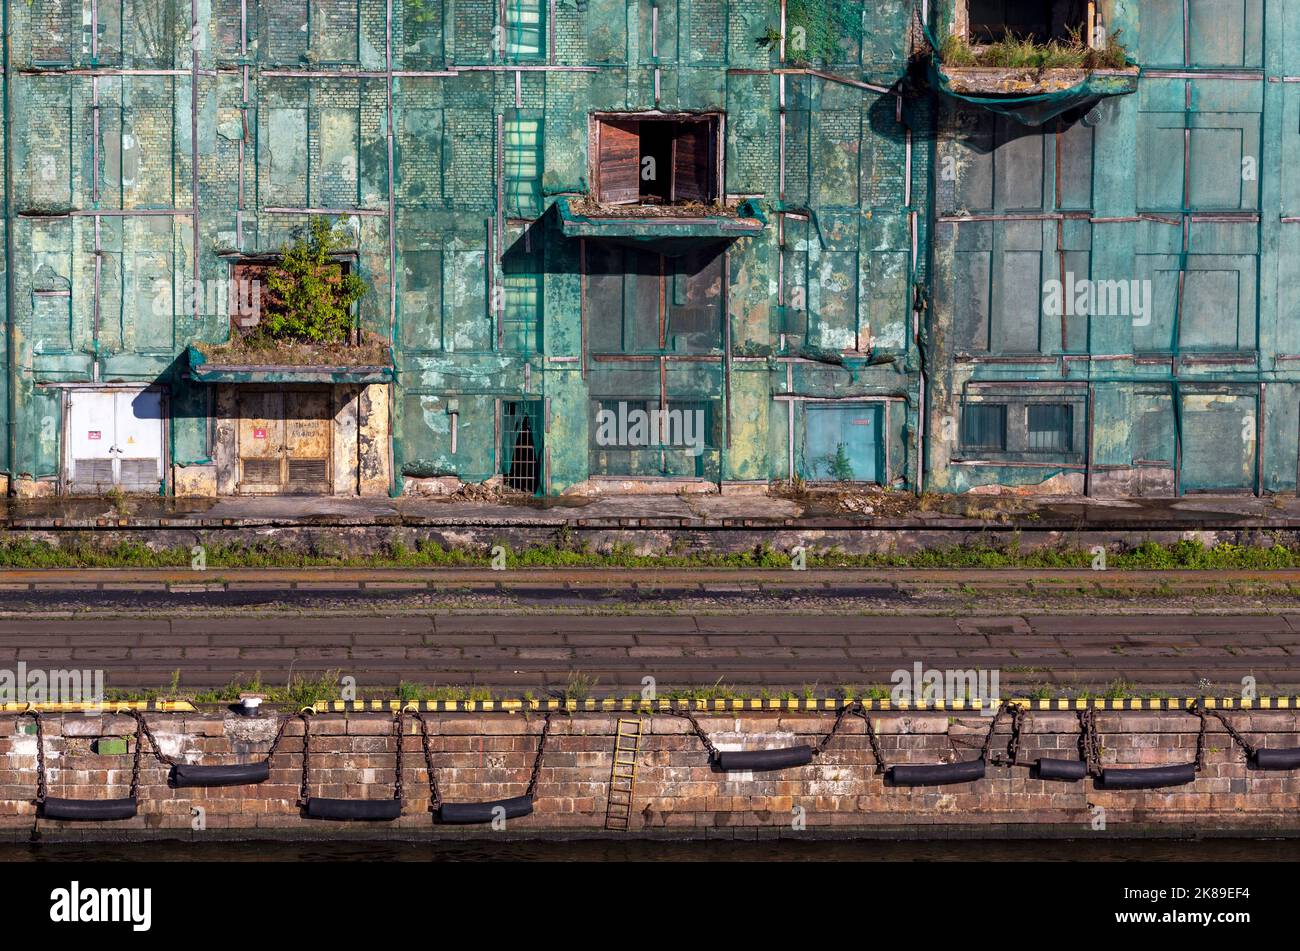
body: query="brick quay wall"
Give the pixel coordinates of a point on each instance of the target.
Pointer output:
(677, 792)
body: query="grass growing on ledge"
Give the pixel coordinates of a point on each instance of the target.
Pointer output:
(304, 691)
(1012, 52)
(1149, 556)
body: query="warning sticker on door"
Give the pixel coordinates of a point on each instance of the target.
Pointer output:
(93, 434)
(259, 433)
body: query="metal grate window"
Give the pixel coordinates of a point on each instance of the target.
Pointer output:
(984, 426)
(308, 472)
(262, 471)
(521, 427)
(1050, 428)
(93, 471)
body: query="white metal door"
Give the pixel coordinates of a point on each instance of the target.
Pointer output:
(115, 438)
(91, 430)
(137, 449)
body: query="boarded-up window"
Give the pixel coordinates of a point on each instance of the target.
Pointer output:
(656, 160)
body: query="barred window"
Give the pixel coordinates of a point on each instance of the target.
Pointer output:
(524, 29)
(984, 426)
(1050, 428)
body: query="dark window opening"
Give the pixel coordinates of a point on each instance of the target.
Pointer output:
(984, 426)
(990, 21)
(249, 297)
(657, 161)
(1050, 428)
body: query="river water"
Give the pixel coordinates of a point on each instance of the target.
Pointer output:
(637, 850)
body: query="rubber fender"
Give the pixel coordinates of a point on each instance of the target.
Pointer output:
(88, 810)
(1150, 778)
(464, 813)
(354, 810)
(760, 760)
(1067, 770)
(940, 774)
(243, 774)
(1277, 759)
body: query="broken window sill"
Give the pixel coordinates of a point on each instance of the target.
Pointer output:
(678, 226)
(289, 362)
(1032, 81)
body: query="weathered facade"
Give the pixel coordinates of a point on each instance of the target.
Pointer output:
(756, 218)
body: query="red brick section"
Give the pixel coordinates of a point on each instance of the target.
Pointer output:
(489, 757)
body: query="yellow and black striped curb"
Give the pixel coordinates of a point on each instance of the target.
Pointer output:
(823, 704)
(107, 706)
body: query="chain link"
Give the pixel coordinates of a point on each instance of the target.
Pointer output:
(1200, 737)
(537, 763)
(435, 795)
(1237, 738)
(1018, 715)
(135, 759)
(988, 737)
(304, 789)
(40, 755)
(142, 726)
(872, 739)
(699, 731)
(1089, 745)
(851, 706)
(399, 726)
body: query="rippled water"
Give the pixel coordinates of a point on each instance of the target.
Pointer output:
(606, 850)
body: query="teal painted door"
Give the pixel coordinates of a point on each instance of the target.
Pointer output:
(841, 443)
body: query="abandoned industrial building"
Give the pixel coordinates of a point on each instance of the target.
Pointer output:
(652, 245)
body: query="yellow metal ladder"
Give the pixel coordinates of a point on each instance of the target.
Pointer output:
(622, 775)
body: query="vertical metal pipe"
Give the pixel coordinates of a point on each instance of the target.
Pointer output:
(194, 146)
(11, 335)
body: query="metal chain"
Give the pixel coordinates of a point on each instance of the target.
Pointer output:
(695, 725)
(40, 755)
(537, 763)
(399, 726)
(435, 795)
(1089, 746)
(303, 795)
(872, 739)
(1237, 738)
(1200, 738)
(279, 735)
(1018, 715)
(839, 720)
(988, 737)
(139, 747)
(141, 725)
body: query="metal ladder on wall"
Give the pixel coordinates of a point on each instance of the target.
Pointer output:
(622, 775)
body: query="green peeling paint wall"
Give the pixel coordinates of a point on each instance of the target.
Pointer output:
(443, 133)
(1187, 186)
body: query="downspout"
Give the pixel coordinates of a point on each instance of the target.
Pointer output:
(11, 336)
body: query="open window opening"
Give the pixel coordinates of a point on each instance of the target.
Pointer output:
(656, 160)
(993, 21)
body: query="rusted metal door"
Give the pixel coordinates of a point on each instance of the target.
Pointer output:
(284, 442)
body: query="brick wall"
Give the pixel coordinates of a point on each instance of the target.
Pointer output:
(488, 757)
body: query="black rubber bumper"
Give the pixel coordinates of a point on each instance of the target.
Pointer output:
(1277, 759)
(1064, 770)
(89, 810)
(761, 760)
(941, 774)
(465, 813)
(244, 774)
(1151, 778)
(354, 810)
